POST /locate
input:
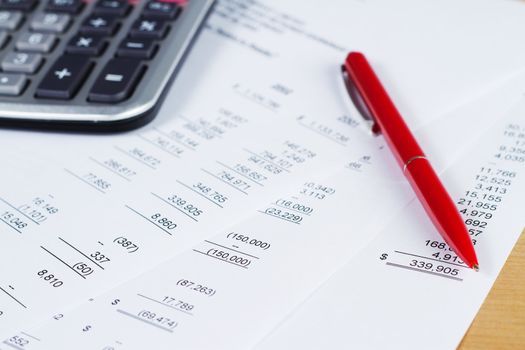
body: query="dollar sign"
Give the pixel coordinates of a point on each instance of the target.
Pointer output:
(383, 256)
(115, 302)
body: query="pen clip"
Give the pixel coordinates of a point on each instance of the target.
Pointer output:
(358, 102)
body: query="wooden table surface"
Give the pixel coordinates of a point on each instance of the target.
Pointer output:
(500, 324)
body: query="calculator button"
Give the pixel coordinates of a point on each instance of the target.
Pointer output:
(102, 25)
(12, 84)
(50, 22)
(10, 19)
(162, 10)
(22, 5)
(64, 78)
(21, 62)
(137, 48)
(86, 45)
(36, 42)
(3, 38)
(67, 6)
(112, 7)
(117, 80)
(148, 28)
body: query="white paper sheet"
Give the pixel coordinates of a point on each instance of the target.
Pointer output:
(290, 262)
(249, 67)
(82, 214)
(407, 290)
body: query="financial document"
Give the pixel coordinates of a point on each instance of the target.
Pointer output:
(402, 290)
(109, 208)
(246, 277)
(257, 181)
(82, 214)
(261, 269)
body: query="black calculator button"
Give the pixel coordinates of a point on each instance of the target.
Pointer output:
(10, 20)
(36, 42)
(162, 10)
(64, 78)
(102, 25)
(112, 7)
(81, 44)
(117, 80)
(12, 84)
(149, 28)
(137, 48)
(67, 6)
(22, 5)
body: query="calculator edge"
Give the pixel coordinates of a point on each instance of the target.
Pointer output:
(136, 112)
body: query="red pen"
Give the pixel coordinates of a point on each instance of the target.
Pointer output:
(423, 179)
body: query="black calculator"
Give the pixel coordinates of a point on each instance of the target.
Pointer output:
(99, 65)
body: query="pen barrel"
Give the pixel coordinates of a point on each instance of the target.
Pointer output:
(429, 189)
(382, 109)
(441, 209)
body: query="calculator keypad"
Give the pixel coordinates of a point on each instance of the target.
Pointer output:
(66, 6)
(54, 49)
(149, 28)
(102, 25)
(50, 22)
(137, 48)
(161, 10)
(12, 84)
(10, 20)
(117, 80)
(21, 62)
(36, 42)
(22, 5)
(65, 77)
(112, 7)
(92, 45)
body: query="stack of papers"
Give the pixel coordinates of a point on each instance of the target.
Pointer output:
(257, 210)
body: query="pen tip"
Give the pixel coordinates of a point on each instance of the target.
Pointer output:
(475, 267)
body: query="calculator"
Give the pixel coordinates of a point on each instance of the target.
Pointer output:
(102, 65)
